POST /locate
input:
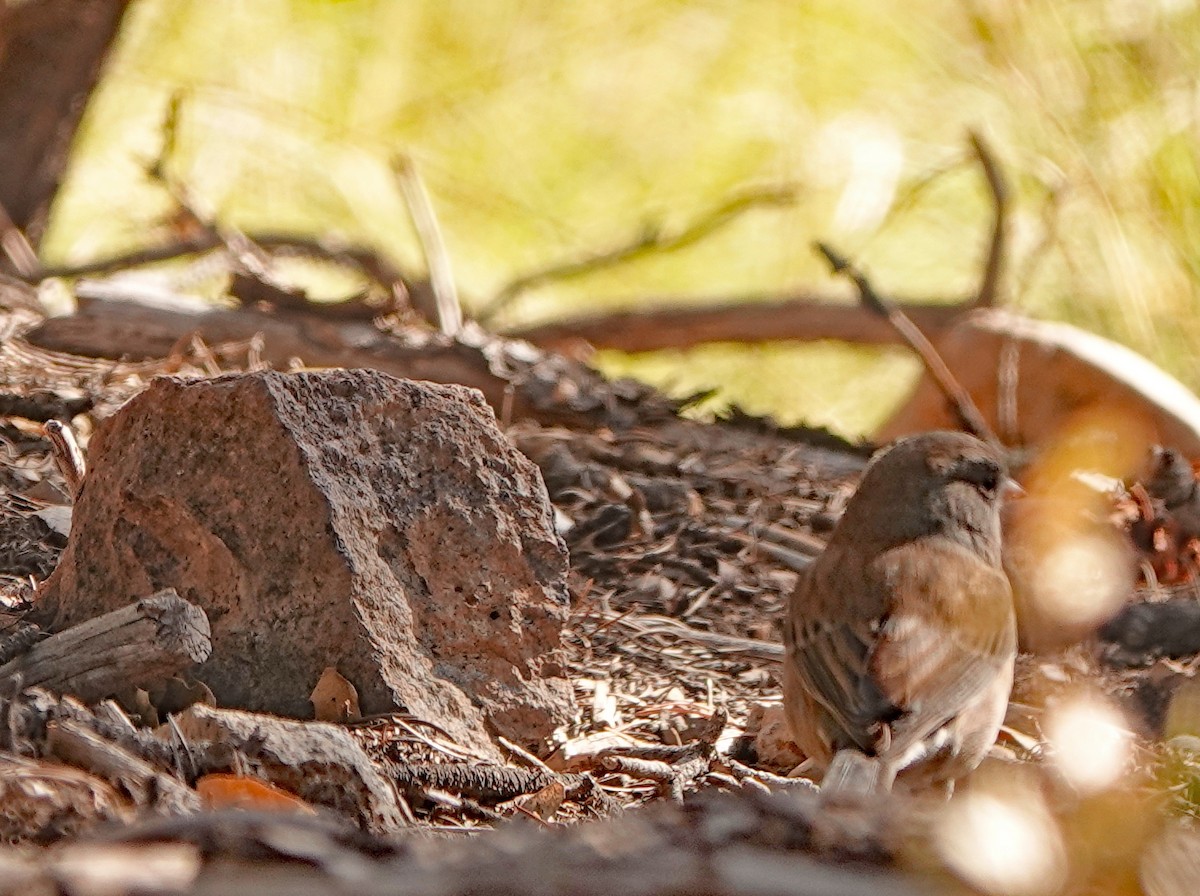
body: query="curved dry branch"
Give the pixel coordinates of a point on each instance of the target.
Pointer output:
(651, 240)
(993, 266)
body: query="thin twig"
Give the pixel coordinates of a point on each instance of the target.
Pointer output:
(644, 625)
(968, 414)
(527, 757)
(743, 772)
(253, 252)
(467, 807)
(993, 267)
(67, 455)
(248, 257)
(157, 168)
(652, 240)
(367, 262)
(437, 259)
(1049, 219)
(17, 247)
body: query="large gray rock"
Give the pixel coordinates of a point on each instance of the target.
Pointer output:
(343, 518)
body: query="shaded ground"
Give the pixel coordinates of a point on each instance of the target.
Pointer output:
(677, 531)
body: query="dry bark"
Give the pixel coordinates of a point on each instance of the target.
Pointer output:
(515, 379)
(671, 325)
(77, 745)
(136, 646)
(318, 762)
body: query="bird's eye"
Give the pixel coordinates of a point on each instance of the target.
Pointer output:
(983, 475)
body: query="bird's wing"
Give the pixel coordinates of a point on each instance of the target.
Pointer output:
(830, 651)
(949, 633)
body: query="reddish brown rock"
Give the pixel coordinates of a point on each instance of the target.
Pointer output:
(344, 518)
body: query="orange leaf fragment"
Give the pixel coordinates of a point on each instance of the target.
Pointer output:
(225, 791)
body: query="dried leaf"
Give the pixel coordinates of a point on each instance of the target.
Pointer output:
(545, 802)
(224, 791)
(334, 699)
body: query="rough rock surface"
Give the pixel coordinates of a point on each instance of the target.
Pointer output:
(343, 518)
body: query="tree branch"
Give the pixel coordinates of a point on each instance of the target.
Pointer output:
(964, 406)
(670, 324)
(993, 267)
(652, 240)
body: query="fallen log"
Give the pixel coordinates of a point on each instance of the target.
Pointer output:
(136, 646)
(1027, 376)
(517, 379)
(670, 323)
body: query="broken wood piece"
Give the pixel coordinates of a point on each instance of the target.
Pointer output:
(320, 763)
(28, 714)
(1026, 376)
(77, 746)
(462, 806)
(671, 782)
(67, 455)
(109, 712)
(44, 800)
(134, 646)
(17, 638)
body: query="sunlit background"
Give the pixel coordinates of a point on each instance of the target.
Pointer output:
(547, 132)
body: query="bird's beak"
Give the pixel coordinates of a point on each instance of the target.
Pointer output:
(1010, 488)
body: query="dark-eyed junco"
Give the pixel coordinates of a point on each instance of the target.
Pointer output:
(901, 636)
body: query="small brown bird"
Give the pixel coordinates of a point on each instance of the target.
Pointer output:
(901, 636)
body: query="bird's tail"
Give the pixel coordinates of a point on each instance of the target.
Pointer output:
(854, 777)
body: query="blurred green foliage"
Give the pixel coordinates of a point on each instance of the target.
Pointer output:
(550, 131)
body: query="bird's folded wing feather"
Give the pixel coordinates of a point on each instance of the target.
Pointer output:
(949, 633)
(830, 649)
